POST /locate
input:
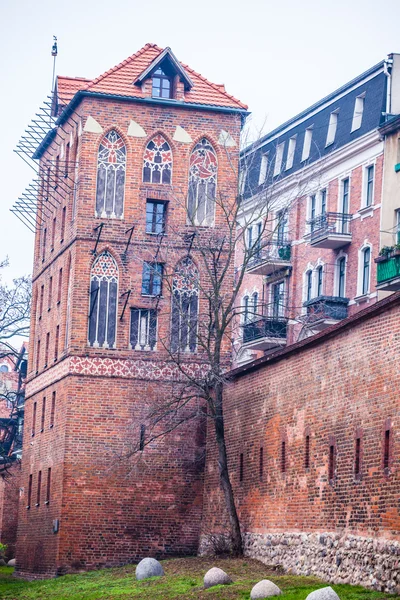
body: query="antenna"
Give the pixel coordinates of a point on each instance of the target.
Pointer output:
(54, 52)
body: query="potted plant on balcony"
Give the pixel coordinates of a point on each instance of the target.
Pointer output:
(384, 254)
(284, 252)
(396, 250)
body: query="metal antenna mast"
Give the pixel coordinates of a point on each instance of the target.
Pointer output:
(54, 52)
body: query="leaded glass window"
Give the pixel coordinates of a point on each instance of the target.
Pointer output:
(157, 161)
(103, 302)
(202, 183)
(111, 168)
(185, 306)
(143, 334)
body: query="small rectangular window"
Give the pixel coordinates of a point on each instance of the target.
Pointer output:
(46, 355)
(66, 168)
(44, 244)
(290, 154)
(63, 218)
(41, 301)
(43, 414)
(53, 233)
(307, 453)
(57, 173)
(142, 437)
(261, 464)
(49, 299)
(330, 136)
(56, 342)
(263, 168)
(241, 467)
(341, 276)
(283, 456)
(386, 452)
(369, 185)
(37, 356)
(48, 486)
(307, 143)
(39, 488)
(331, 463)
(155, 216)
(152, 279)
(143, 334)
(60, 276)
(278, 158)
(358, 112)
(53, 409)
(357, 462)
(29, 491)
(320, 276)
(33, 430)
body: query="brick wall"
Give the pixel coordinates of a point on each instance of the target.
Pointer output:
(334, 389)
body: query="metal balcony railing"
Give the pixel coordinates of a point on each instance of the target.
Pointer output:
(330, 223)
(275, 251)
(330, 308)
(388, 273)
(264, 327)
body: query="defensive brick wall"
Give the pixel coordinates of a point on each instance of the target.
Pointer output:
(313, 434)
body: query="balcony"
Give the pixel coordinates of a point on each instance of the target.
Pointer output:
(265, 333)
(330, 230)
(388, 272)
(324, 311)
(273, 256)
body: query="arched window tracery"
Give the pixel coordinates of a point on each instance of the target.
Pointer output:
(157, 161)
(185, 306)
(111, 169)
(203, 168)
(103, 301)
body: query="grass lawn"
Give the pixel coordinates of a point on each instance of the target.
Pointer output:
(183, 581)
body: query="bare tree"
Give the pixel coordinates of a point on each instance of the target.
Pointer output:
(205, 316)
(15, 304)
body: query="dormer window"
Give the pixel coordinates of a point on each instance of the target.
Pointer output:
(162, 85)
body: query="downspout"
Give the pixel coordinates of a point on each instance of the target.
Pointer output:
(387, 69)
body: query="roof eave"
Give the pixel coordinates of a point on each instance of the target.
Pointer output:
(69, 109)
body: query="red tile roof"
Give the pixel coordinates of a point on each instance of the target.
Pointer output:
(120, 81)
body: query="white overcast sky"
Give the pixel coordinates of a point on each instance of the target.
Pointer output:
(277, 56)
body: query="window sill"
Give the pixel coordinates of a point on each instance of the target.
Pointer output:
(366, 211)
(362, 298)
(156, 234)
(153, 296)
(47, 502)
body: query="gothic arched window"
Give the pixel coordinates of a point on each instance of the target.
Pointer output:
(185, 306)
(202, 183)
(157, 161)
(103, 301)
(111, 167)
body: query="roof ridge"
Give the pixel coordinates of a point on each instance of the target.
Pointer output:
(124, 62)
(215, 86)
(73, 78)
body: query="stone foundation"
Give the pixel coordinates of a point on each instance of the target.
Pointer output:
(334, 557)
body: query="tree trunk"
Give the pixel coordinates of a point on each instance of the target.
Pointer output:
(237, 546)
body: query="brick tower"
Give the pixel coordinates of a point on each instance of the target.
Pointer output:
(128, 153)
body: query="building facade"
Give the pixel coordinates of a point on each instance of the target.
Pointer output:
(128, 174)
(313, 188)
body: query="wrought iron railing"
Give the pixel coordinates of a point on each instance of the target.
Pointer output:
(327, 307)
(276, 249)
(329, 223)
(264, 327)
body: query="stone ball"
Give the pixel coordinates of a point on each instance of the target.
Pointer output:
(11, 563)
(216, 576)
(264, 589)
(149, 567)
(326, 593)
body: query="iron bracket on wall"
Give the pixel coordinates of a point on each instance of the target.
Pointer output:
(98, 229)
